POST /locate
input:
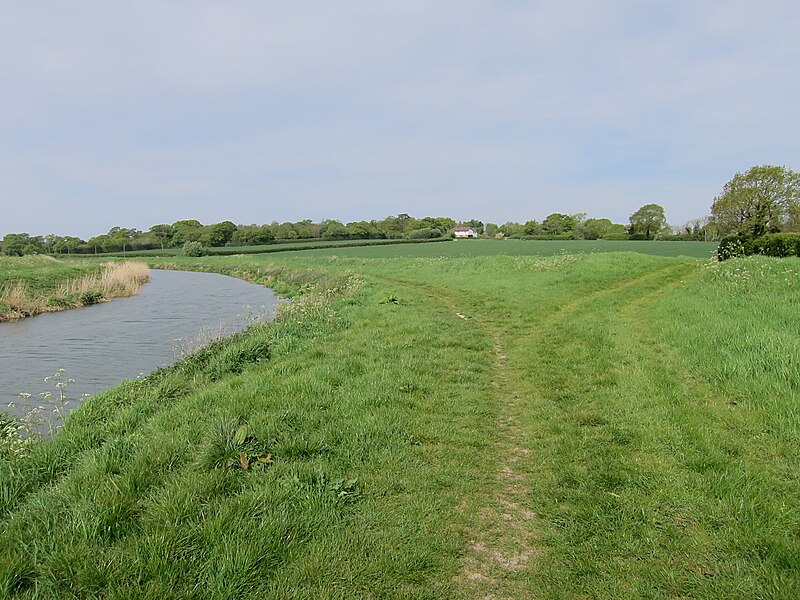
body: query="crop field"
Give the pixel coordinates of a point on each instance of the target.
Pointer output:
(509, 247)
(296, 245)
(537, 424)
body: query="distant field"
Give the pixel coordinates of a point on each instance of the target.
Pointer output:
(528, 248)
(267, 248)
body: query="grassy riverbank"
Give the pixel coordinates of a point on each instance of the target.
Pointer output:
(31, 285)
(598, 425)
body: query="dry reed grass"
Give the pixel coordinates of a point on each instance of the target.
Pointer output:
(114, 280)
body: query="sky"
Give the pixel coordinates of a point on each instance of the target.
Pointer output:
(136, 113)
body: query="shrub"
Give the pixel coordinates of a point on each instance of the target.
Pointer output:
(426, 233)
(731, 247)
(772, 244)
(777, 244)
(193, 249)
(615, 237)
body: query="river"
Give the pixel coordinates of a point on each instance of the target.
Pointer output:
(99, 346)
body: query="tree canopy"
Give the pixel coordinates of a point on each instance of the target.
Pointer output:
(648, 221)
(765, 199)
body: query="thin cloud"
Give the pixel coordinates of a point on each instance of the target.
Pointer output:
(150, 112)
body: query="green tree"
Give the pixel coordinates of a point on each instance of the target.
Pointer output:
(17, 244)
(186, 231)
(121, 238)
(765, 199)
(220, 233)
(593, 229)
(512, 229)
(162, 233)
(476, 224)
(333, 230)
(532, 227)
(252, 235)
(648, 221)
(67, 244)
(559, 224)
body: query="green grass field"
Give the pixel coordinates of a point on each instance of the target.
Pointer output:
(297, 245)
(528, 248)
(594, 425)
(41, 272)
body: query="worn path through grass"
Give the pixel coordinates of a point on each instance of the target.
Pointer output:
(570, 426)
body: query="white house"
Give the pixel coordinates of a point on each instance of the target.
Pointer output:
(462, 231)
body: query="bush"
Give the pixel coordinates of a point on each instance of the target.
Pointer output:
(193, 249)
(772, 244)
(426, 233)
(615, 237)
(731, 247)
(777, 244)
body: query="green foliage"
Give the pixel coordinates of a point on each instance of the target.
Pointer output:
(647, 222)
(193, 249)
(425, 233)
(19, 244)
(731, 246)
(616, 236)
(762, 200)
(776, 244)
(558, 224)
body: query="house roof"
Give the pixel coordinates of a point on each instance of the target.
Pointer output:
(464, 228)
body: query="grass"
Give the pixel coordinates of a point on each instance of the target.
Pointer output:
(526, 248)
(610, 425)
(34, 284)
(281, 246)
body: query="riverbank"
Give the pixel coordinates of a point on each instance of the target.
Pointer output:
(38, 284)
(611, 426)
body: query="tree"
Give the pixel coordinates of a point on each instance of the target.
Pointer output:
(594, 229)
(17, 244)
(252, 235)
(220, 233)
(476, 224)
(162, 233)
(558, 224)
(186, 231)
(763, 200)
(648, 221)
(532, 227)
(120, 237)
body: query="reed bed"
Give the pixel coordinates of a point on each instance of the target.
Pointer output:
(114, 280)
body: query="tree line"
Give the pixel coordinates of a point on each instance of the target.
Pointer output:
(763, 200)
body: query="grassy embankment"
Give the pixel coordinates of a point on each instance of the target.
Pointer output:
(30, 285)
(605, 425)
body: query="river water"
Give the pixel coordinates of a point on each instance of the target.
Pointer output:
(99, 346)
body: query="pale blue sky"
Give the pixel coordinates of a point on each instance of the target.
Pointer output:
(144, 112)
